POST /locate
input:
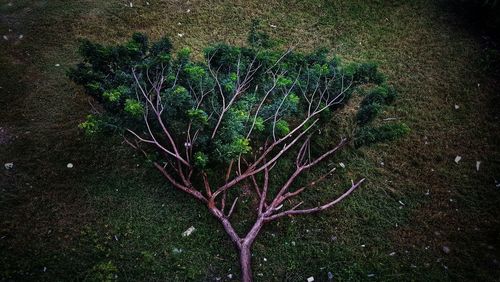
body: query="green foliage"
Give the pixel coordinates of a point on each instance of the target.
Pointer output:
(114, 95)
(93, 87)
(178, 98)
(374, 102)
(240, 146)
(163, 46)
(365, 73)
(200, 159)
(259, 124)
(134, 108)
(368, 112)
(381, 95)
(388, 132)
(184, 54)
(293, 99)
(90, 126)
(283, 82)
(198, 115)
(282, 127)
(122, 78)
(195, 73)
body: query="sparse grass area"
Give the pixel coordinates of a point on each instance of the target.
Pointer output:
(113, 215)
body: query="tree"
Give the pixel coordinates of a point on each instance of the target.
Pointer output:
(215, 129)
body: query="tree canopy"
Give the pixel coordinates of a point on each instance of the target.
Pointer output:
(211, 125)
(229, 104)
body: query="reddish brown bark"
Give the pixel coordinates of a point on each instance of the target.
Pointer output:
(246, 263)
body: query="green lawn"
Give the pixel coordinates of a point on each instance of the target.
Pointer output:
(113, 217)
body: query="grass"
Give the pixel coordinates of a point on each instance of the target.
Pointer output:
(60, 224)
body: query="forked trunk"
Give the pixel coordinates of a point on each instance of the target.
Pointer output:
(244, 248)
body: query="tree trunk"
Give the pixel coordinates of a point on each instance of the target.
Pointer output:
(246, 262)
(243, 245)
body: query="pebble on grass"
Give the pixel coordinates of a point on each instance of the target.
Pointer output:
(188, 232)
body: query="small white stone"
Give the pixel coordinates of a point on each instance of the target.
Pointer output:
(57, 65)
(5, 37)
(401, 203)
(9, 165)
(342, 165)
(180, 34)
(272, 25)
(478, 163)
(188, 232)
(230, 276)
(457, 159)
(265, 259)
(392, 254)
(21, 36)
(457, 107)
(69, 165)
(188, 10)
(310, 279)
(131, 5)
